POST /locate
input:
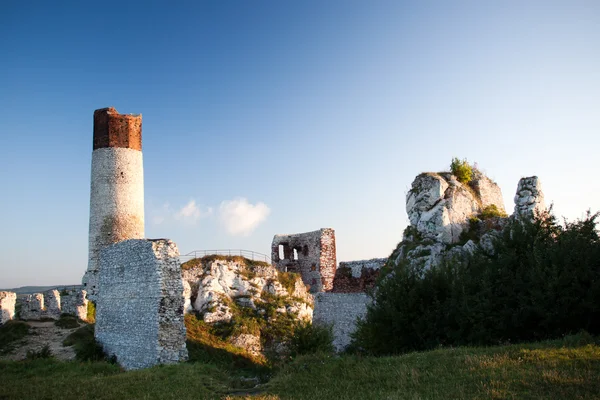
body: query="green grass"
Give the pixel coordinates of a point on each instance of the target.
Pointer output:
(199, 261)
(550, 370)
(10, 333)
(564, 369)
(67, 321)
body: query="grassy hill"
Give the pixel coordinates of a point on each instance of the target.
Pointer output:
(38, 289)
(563, 369)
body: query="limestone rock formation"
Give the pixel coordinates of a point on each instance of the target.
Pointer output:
(529, 199)
(439, 206)
(231, 290)
(450, 220)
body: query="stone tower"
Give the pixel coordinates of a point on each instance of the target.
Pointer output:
(117, 188)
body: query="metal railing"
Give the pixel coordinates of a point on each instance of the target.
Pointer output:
(249, 254)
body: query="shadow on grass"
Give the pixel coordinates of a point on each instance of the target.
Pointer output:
(10, 333)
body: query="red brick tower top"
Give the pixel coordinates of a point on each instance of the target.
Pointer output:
(112, 129)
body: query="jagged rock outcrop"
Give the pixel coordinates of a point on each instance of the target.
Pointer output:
(450, 220)
(232, 290)
(439, 206)
(529, 199)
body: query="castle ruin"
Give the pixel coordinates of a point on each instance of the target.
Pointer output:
(311, 254)
(117, 186)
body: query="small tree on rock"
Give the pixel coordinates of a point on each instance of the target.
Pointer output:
(462, 170)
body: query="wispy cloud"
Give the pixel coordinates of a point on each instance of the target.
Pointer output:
(190, 213)
(239, 217)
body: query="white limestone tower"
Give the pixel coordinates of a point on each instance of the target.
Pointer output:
(117, 189)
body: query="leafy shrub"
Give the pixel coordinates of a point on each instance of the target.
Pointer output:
(85, 345)
(67, 321)
(91, 312)
(542, 283)
(492, 211)
(11, 332)
(309, 338)
(44, 352)
(462, 170)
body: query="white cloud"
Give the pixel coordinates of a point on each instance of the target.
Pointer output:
(239, 217)
(189, 213)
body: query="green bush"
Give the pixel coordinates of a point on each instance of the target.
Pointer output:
(492, 211)
(44, 352)
(85, 345)
(11, 332)
(542, 283)
(462, 170)
(309, 338)
(67, 321)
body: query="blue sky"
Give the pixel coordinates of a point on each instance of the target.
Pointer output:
(287, 116)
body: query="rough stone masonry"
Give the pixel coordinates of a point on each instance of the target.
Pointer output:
(117, 187)
(311, 254)
(7, 306)
(139, 316)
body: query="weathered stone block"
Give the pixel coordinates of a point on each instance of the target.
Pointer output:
(7, 306)
(75, 303)
(52, 304)
(340, 310)
(139, 312)
(33, 308)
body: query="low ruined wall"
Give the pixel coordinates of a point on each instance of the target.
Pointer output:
(75, 302)
(51, 304)
(139, 311)
(7, 306)
(33, 307)
(341, 310)
(357, 276)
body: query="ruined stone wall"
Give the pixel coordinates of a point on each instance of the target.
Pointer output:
(139, 313)
(341, 311)
(51, 304)
(75, 302)
(357, 276)
(117, 186)
(311, 254)
(7, 306)
(33, 307)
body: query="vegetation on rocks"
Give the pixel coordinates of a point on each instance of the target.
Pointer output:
(462, 170)
(199, 261)
(542, 282)
(85, 345)
(10, 333)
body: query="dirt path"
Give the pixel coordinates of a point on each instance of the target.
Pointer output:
(41, 334)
